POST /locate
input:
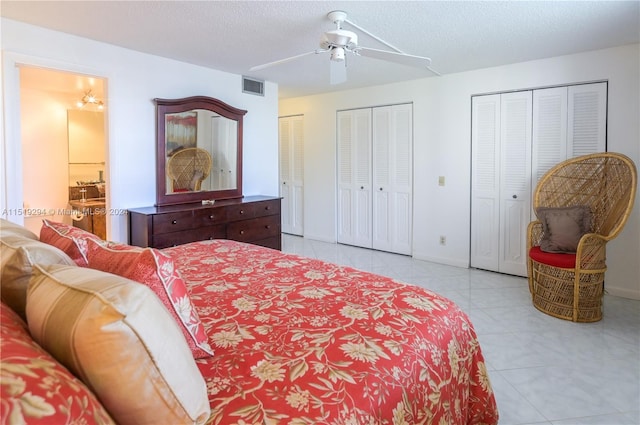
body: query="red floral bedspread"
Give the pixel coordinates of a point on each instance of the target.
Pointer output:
(301, 341)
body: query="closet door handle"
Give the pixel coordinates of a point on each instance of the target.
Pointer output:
(515, 196)
(361, 187)
(380, 188)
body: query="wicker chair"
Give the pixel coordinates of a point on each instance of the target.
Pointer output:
(187, 168)
(570, 286)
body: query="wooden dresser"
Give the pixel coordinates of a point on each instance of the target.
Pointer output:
(252, 219)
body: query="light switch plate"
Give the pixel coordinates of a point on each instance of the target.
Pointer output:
(440, 180)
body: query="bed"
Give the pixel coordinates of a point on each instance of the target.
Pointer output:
(302, 341)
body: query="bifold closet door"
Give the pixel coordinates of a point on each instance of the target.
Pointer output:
(501, 181)
(516, 138)
(375, 176)
(291, 135)
(392, 178)
(354, 177)
(568, 121)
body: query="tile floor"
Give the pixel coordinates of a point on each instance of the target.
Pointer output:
(543, 370)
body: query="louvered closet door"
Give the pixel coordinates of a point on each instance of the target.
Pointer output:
(549, 130)
(485, 182)
(392, 182)
(501, 178)
(291, 134)
(587, 119)
(515, 180)
(516, 138)
(354, 177)
(567, 122)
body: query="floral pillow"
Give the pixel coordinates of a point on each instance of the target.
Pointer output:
(70, 239)
(35, 388)
(157, 271)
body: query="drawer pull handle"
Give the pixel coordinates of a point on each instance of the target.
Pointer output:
(242, 232)
(268, 226)
(241, 211)
(211, 216)
(174, 221)
(210, 238)
(268, 207)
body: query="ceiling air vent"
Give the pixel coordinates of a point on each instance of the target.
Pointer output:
(252, 86)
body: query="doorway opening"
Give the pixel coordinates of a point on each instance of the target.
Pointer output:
(64, 145)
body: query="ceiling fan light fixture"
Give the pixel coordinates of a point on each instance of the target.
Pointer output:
(337, 54)
(339, 38)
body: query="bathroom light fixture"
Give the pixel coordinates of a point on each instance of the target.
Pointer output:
(90, 98)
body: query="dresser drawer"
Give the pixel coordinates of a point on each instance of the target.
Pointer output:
(172, 222)
(241, 212)
(178, 238)
(267, 208)
(258, 228)
(207, 217)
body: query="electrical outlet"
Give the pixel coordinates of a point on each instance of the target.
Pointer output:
(443, 240)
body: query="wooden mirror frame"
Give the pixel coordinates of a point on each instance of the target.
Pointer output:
(171, 106)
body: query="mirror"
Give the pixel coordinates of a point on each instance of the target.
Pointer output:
(199, 150)
(85, 130)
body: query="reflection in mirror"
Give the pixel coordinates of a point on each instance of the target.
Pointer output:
(199, 151)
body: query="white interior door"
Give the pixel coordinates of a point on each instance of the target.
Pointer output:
(516, 138)
(354, 177)
(587, 119)
(549, 142)
(485, 182)
(392, 176)
(501, 181)
(515, 180)
(291, 133)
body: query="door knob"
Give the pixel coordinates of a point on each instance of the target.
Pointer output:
(515, 196)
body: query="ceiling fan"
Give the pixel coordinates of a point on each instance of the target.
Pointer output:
(340, 42)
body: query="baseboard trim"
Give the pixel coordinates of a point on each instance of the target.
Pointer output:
(441, 260)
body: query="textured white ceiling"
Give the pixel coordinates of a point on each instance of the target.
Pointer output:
(233, 36)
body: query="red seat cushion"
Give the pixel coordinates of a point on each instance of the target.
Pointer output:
(563, 260)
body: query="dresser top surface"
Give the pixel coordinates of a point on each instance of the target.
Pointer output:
(195, 206)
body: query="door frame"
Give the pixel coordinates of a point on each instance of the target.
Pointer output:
(11, 180)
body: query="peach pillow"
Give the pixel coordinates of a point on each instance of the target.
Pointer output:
(18, 254)
(8, 228)
(117, 337)
(157, 271)
(72, 240)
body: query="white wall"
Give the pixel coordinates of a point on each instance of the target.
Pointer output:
(133, 80)
(44, 141)
(442, 146)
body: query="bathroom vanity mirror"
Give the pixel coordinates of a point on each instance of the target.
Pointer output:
(86, 139)
(199, 150)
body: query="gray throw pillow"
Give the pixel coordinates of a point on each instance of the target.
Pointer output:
(563, 227)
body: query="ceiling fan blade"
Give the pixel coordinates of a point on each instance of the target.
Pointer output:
(401, 58)
(281, 61)
(337, 72)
